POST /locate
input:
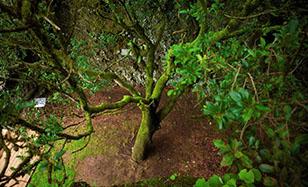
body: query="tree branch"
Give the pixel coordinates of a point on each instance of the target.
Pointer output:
(251, 16)
(17, 29)
(41, 130)
(16, 43)
(163, 112)
(162, 81)
(116, 105)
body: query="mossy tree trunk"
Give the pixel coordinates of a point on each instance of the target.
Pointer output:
(149, 124)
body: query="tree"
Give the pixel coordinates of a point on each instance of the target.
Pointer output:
(33, 48)
(34, 57)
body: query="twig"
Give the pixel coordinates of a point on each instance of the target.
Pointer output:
(243, 130)
(301, 105)
(66, 78)
(70, 97)
(251, 16)
(49, 5)
(178, 32)
(78, 115)
(254, 86)
(297, 65)
(74, 124)
(52, 23)
(235, 78)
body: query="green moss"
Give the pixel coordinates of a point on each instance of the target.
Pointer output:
(40, 177)
(143, 136)
(98, 145)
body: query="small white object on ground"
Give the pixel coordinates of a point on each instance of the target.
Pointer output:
(40, 102)
(125, 52)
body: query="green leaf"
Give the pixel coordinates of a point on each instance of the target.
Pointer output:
(257, 174)
(231, 183)
(270, 181)
(235, 96)
(293, 25)
(25, 104)
(229, 176)
(283, 133)
(295, 148)
(170, 92)
(201, 183)
(227, 160)
(246, 161)
(238, 154)
(199, 57)
(287, 112)
(265, 153)
(215, 181)
(173, 177)
(266, 168)
(251, 140)
(262, 42)
(247, 114)
(234, 113)
(235, 144)
(220, 144)
(247, 177)
(210, 109)
(263, 108)
(270, 132)
(252, 53)
(302, 139)
(244, 93)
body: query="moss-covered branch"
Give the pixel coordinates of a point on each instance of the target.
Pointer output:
(16, 29)
(165, 110)
(41, 130)
(116, 105)
(160, 32)
(161, 83)
(230, 30)
(202, 22)
(149, 72)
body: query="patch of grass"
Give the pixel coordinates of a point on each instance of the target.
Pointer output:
(97, 145)
(40, 177)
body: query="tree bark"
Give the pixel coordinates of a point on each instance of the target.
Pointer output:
(149, 124)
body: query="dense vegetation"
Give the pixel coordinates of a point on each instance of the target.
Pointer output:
(246, 62)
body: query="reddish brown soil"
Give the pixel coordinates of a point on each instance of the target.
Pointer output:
(183, 145)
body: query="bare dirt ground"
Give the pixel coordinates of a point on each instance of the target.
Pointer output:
(183, 145)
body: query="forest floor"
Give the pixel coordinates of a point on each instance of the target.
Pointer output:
(182, 146)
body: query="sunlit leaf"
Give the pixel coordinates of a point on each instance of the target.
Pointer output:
(246, 176)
